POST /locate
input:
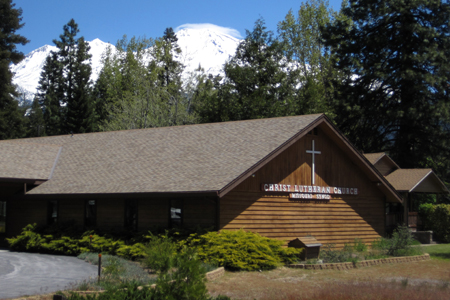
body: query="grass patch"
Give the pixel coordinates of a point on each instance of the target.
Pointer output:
(441, 252)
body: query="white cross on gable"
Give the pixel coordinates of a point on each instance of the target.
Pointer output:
(313, 170)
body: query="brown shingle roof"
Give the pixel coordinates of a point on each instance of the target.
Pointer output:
(416, 180)
(19, 160)
(374, 157)
(203, 157)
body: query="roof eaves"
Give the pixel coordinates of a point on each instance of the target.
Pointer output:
(365, 161)
(420, 181)
(425, 177)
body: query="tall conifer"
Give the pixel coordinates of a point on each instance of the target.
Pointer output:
(396, 93)
(64, 88)
(12, 121)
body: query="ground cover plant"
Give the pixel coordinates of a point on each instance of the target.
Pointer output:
(242, 250)
(400, 244)
(177, 275)
(116, 271)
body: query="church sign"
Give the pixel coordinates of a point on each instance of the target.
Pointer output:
(306, 192)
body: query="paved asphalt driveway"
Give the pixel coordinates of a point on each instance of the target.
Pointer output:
(31, 274)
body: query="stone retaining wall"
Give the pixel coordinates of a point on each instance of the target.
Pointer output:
(215, 274)
(364, 263)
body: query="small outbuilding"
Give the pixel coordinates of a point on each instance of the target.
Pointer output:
(311, 247)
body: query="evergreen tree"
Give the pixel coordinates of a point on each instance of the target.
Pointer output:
(36, 122)
(395, 96)
(303, 45)
(50, 93)
(64, 87)
(138, 94)
(80, 106)
(165, 72)
(259, 82)
(12, 121)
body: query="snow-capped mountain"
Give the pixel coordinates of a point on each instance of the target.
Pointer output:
(203, 47)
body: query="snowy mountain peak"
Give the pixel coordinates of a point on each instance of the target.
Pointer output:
(207, 45)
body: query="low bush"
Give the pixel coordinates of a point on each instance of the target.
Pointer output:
(242, 250)
(398, 245)
(437, 219)
(31, 240)
(331, 255)
(160, 254)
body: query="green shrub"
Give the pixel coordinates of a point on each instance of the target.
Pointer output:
(33, 239)
(399, 245)
(29, 240)
(331, 255)
(160, 253)
(437, 219)
(441, 222)
(426, 215)
(186, 281)
(242, 250)
(359, 246)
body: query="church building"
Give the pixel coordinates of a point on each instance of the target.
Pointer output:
(283, 177)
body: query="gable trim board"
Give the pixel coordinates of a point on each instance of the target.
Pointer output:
(206, 160)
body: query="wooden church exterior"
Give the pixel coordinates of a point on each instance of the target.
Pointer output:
(282, 177)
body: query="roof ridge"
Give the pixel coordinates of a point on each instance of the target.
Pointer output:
(165, 127)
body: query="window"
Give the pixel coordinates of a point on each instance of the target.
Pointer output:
(131, 214)
(90, 219)
(52, 212)
(176, 213)
(2, 217)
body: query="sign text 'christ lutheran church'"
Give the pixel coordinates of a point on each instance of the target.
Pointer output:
(308, 191)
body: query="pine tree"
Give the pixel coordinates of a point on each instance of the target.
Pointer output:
(65, 91)
(165, 73)
(259, 82)
(50, 94)
(395, 96)
(36, 122)
(12, 121)
(80, 106)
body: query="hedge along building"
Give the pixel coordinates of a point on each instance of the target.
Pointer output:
(281, 177)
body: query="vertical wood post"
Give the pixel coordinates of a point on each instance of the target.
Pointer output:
(99, 266)
(406, 209)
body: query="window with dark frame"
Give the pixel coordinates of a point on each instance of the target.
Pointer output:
(176, 213)
(52, 212)
(90, 219)
(131, 214)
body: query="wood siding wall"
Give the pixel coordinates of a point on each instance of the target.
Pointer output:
(110, 214)
(339, 221)
(199, 212)
(73, 211)
(20, 213)
(152, 213)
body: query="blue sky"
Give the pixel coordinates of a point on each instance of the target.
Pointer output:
(109, 20)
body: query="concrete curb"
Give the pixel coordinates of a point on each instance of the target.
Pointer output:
(364, 263)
